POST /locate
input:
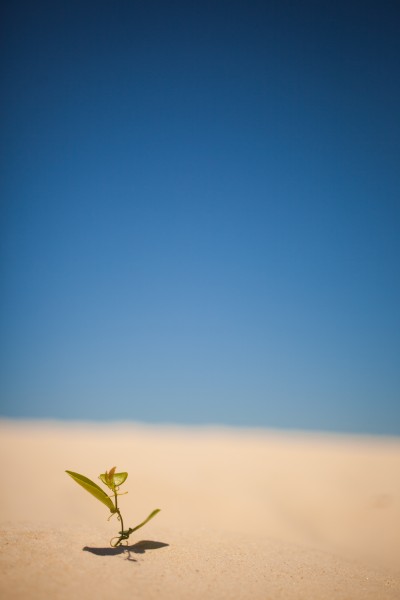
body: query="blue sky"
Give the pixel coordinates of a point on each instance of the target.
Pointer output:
(200, 213)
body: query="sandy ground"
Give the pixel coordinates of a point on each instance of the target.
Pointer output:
(245, 514)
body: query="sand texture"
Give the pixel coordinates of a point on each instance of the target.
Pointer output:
(245, 514)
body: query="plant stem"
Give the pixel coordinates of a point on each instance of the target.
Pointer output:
(118, 511)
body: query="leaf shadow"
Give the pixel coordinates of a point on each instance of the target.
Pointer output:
(138, 548)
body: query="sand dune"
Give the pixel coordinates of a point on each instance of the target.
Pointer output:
(245, 514)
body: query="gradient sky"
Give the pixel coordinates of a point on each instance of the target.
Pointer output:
(200, 213)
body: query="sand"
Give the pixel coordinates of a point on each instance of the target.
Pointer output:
(245, 513)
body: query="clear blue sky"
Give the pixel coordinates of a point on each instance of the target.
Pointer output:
(200, 213)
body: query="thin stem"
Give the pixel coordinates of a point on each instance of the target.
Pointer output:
(122, 535)
(118, 511)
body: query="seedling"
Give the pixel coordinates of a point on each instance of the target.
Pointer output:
(113, 481)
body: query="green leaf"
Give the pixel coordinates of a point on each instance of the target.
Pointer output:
(92, 487)
(119, 478)
(151, 515)
(105, 480)
(116, 479)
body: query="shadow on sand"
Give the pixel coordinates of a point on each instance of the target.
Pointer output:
(138, 548)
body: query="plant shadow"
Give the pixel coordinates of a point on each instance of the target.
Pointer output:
(138, 548)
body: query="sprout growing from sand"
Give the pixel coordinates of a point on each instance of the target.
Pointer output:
(113, 481)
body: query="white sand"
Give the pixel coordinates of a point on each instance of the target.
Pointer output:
(245, 514)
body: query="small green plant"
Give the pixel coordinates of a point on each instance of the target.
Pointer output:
(113, 481)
